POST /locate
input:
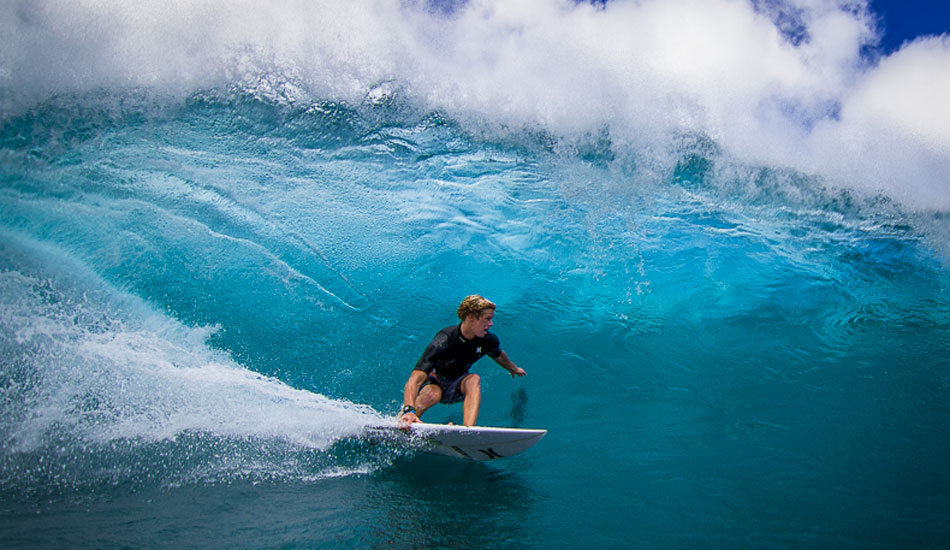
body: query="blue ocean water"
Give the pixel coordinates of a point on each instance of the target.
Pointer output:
(207, 295)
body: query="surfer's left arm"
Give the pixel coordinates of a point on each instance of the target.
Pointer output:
(506, 364)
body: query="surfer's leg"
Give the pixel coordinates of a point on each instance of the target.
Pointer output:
(472, 390)
(429, 395)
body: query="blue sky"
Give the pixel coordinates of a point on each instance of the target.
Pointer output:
(906, 19)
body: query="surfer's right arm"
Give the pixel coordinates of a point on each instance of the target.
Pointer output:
(409, 394)
(420, 373)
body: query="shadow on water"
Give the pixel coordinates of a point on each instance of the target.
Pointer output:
(519, 407)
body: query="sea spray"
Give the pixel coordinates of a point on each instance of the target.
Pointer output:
(100, 389)
(797, 84)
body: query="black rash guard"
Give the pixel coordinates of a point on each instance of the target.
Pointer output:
(450, 355)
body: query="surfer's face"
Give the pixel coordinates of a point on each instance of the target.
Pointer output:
(483, 322)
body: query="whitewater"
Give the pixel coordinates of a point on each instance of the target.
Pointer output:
(717, 234)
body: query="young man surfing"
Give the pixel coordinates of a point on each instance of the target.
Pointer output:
(441, 374)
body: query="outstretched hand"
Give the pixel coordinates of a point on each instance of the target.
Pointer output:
(517, 371)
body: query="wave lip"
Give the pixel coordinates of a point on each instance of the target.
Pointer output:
(787, 84)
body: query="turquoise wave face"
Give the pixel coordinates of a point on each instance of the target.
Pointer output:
(231, 288)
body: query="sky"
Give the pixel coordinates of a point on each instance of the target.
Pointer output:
(904, 20)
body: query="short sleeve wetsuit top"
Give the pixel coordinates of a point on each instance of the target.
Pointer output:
(449, 356)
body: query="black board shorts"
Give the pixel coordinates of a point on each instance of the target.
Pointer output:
(451, 387)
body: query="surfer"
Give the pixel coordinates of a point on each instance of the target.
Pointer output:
(441, 374)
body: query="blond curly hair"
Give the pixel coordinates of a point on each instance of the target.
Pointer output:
(474, 305)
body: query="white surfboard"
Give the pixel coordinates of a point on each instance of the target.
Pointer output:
(472, 442)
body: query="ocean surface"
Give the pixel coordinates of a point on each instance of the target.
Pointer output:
(212, 280)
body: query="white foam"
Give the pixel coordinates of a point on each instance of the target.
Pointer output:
(894, 128)
(104, 366)
(642, 68)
